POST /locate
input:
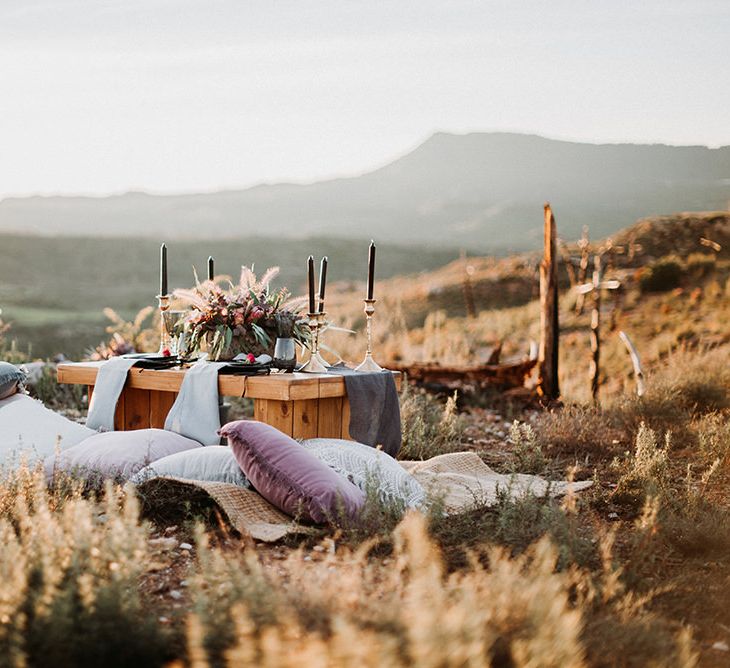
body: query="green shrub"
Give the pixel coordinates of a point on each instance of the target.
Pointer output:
(580, 430)
(713, 435)
(646, 471)
(660, 276)
(55, 395)
(527, 456)
(429, 427)
(702, 531)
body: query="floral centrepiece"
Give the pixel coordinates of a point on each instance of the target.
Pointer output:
(242, 318)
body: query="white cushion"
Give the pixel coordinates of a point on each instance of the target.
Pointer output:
(364, 465)
(30, 430)
(213, 463)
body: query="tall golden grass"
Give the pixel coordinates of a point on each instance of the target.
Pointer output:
(70, 569)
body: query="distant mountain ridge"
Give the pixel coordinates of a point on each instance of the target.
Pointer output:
(483, 191)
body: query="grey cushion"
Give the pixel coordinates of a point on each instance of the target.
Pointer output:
(366, 466)
(117, 454)
(213, 463)
(11, 377)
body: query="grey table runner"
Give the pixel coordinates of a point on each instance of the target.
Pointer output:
(109, 384)
(195, 413)
(374, 408)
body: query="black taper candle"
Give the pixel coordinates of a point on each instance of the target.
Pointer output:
(163, 269)
(211, 268)
(371, 269)
(310, 275)
(322, 282)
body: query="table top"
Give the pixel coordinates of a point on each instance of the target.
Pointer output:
(278, 386)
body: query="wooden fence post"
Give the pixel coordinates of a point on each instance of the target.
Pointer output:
(547, 383)
(596, 329)
(585, 248)
(595, 287)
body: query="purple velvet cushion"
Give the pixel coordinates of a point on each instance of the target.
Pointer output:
(117, 454)
(288, 476)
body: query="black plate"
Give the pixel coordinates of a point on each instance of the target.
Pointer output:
(153, 361)
(245, 369)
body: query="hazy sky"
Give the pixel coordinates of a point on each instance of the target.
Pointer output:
(101, 96)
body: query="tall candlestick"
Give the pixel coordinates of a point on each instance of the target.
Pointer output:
(310, 276)
(369, 364)
(211, 268)
(163, 269)
(322, 282)
(371, 269)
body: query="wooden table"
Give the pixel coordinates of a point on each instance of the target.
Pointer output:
(303, 405)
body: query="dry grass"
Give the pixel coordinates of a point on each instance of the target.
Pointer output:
(71, 568)
(408, 610)
(68, 587)
(688, 396)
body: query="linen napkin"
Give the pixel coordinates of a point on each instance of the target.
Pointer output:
(374, 408)
(110, 381)
(195, 412)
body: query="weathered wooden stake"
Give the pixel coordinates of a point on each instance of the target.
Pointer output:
(547, 383)
(585, 245)
(596, 329)
(596, 286)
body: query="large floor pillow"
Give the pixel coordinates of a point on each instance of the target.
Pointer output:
(213, 463)
(368, 468)
(31, 432)
(117, 454)
(288, 476)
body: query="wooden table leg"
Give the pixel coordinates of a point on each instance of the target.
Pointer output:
(279, 414)
(119, 424)
(329, 423)
(346, 419)
(160, 405)
(136, 409)
(306, 418)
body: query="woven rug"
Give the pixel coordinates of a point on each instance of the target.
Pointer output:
(247, 512)
(461, 479)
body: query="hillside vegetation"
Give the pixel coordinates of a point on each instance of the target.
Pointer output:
(424, 317)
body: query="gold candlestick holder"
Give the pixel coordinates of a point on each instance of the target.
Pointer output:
(369, 364)
(165, 340)
(315, 364)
